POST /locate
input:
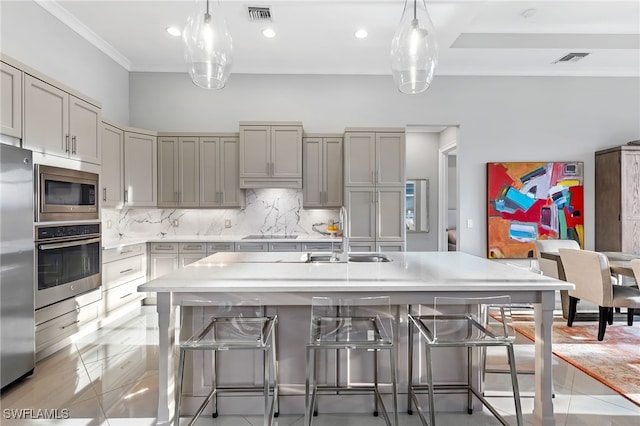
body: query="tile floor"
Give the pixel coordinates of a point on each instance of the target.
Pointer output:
(109, 378)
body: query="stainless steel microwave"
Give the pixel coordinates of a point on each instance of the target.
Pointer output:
(65, 194)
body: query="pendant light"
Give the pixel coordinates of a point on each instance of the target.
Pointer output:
(414, 51)
(207, 46)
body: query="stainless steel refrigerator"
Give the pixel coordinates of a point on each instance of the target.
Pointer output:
(17, 318)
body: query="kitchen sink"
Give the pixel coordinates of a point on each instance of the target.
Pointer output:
(332, 258)
(368, 258)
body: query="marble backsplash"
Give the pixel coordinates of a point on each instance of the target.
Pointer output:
(267, 211)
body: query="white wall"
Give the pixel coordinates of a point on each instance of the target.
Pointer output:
(34, 37)
(500, 118)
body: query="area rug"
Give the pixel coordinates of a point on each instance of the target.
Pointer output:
(615, 361)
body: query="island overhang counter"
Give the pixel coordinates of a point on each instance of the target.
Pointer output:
(411, 278)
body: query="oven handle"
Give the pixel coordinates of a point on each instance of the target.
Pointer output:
(68, 244)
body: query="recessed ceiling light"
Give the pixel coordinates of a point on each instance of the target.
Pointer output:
(269, 33)
(361, 33)
(174, 31)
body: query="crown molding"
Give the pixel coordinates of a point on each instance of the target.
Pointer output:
(63, 15)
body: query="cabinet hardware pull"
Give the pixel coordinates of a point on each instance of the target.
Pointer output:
(126, 295)
(66, 143)
(73, 145)
(69, 325)
(126, 196)
(125, 252)
(68, 244)
(126, 270)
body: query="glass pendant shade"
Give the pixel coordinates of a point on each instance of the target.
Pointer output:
(414, 51)
(207, 46)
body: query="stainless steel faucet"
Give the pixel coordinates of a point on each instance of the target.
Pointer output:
(343, 255)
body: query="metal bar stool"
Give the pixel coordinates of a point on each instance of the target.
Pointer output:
(364, 324)
(234, 325)
(461, 323)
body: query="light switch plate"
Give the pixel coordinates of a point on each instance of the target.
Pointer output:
(175, 223)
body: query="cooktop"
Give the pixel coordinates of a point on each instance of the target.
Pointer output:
(270, 237)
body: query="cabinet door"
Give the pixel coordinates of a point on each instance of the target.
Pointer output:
(162, 264)
(390, 159)
(84, 125)
(332, 172)
(359, 159)
(46, 121)
(630, 211)
(112, 173)
(230, 194)
(255, 151)
(140, 164)
(189, 172)
(186, 259)
(209, 171)
(390, 214)
(286, 151)
(359, 204)
(168, 171)
(390, 246)
(312, 181)
(11, 101)
(362, 246)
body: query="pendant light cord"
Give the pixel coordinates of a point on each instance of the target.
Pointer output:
(207, 15)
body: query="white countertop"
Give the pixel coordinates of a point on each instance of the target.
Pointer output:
(110, 243)
(409, 271)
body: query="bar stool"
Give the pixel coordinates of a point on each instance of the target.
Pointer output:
(363, 324)
(458, 322)
(233, 325)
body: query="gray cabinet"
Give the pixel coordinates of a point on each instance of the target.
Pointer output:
(112, 176)
(140, 168)
(257, 246)
(58, 123)
(374, 158)
(322, 181)
(374, 179)
(123, 269)
(198, 171)
(11, 101)
(163, 259)
(270, 155)
(617, 199)
(191, 252)
(219, 172)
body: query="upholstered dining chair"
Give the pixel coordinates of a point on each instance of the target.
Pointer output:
(549, 267)
(589, 271)
(635, 266)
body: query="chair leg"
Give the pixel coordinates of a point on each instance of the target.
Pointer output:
(214, 383)
(375, 382)
(394, 384)
(179, 386)
(573, 305)
(514, 384)
(610, 316)
(409, 364)
(432, 410)
(602, 321)
(469, 377)
(265, 387)
(307, 386)
(630, 316)
(276, 381)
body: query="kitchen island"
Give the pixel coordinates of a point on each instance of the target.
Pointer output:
(411, 278)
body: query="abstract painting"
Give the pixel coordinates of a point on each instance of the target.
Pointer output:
(533, 201)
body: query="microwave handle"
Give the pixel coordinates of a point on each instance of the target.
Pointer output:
(68, 244)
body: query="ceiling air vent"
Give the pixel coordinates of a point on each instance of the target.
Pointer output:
(571, 57)
(259, 14)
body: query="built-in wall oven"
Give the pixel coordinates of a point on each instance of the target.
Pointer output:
(67, 261)
(65, 194)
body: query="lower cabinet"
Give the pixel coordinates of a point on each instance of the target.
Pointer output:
(123, 270)
(163, 259)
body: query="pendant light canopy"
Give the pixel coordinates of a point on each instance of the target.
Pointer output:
(207, 46)
(414, 51)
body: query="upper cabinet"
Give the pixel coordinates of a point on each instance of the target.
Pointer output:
(270, 155)
(140, 168)
(11, 100)
(617, 198)
(112, 175)
(322, 181)
(198, 171)
(128, 167)
(374, 158)
(59, 123)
